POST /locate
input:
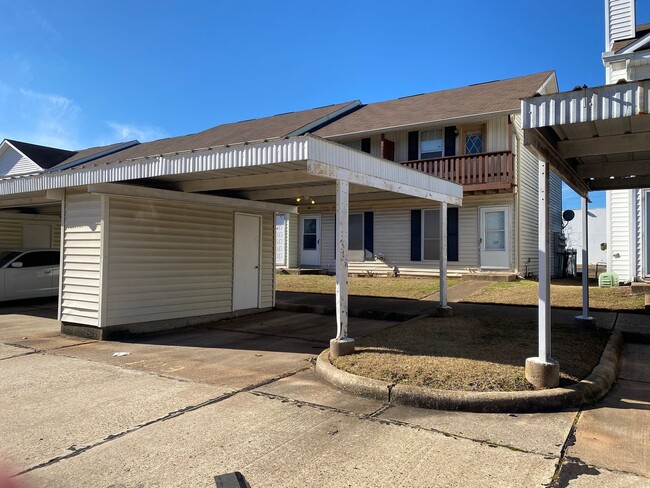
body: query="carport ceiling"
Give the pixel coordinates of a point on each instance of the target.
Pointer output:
(281, 183)
(599, 136)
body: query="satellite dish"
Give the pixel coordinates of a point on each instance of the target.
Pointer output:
(568, 215)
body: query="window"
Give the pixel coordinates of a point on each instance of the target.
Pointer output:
(355, 232)
(473, 138)
(7, 257)
(310, 235)
(431, 235)
(431, 144)
(40, 258)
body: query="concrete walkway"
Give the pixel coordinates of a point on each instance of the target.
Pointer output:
(184, 407)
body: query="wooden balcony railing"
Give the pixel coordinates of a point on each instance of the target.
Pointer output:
(476, 172)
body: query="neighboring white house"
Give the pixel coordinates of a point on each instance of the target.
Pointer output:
(627, 58)
(470, 135)
(597, 235)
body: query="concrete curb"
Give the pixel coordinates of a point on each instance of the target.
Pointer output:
(585, 392)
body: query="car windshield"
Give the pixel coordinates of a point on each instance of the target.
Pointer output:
(7, 256)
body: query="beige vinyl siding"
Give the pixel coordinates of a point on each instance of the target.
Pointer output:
(528, 204)
(167, 261)
(11, 234)
(621, 226)
(392, 232)
(555, 202)
(80, 271)
(267, 268)
(496, 129)
(13, 163)
(12, 229)
(292, 240)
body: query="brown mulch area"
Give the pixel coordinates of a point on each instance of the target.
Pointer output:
(470, 354)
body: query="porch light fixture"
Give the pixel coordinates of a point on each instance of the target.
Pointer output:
(308, 199)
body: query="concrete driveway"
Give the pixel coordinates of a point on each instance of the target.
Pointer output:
(181, 408)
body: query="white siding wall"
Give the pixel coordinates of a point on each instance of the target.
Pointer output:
(14, 163)
(392, 232)
(170, 260)
(12, 229)
(292, 241)
(621, 245)
(496, 138)
(556, 220)
(80, 294)
(528, 203)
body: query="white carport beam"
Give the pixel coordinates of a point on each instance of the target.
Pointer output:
(190, 198)
(249, 181)
(363, 178)
(604, 145)
(618, 168)
(302, 191)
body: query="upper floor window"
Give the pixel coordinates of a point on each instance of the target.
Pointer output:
(431, 144)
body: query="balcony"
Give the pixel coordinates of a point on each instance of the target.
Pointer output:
(477, 173)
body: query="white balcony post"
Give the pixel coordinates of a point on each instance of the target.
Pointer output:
(543, 371)
(585, 319)
(342, 344)
(443, 309)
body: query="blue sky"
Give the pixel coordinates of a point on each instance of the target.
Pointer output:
(79, 73)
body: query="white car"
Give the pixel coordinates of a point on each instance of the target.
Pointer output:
(29, 273)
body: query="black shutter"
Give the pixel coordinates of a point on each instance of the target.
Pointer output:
(416, 235)
(369, 232)
(365, 145)
(414, 143)
(450, 141)
(452, 234)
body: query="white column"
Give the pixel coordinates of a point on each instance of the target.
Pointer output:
(585, 319)
(443, 309)
(342, 202)
(544, 312)
(443, 254)
(543, 371)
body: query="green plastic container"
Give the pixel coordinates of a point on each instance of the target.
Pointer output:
(607, 280)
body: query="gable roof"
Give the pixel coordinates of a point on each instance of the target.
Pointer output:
(641, 31)
(484, 98)
(276, 126)
(44, 156)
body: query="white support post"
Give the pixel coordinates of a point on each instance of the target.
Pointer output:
(585, 319)
(543, 371)
(342, 344)
(443, 309)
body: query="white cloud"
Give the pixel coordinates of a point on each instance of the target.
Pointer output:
(40, 118)
(128, 132)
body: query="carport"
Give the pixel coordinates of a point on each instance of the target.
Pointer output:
(596, 139)
(180, 238)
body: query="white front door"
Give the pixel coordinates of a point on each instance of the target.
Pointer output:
(310, 240)
(494, 237)
(246, 266)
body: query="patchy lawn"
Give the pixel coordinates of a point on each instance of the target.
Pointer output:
(470, 354)
(564, 293)
(401, 287)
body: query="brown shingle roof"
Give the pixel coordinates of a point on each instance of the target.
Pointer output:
(237, 132)
(496, 96)
(84, 153)
(641, 30)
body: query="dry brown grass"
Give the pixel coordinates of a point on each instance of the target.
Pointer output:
(402, 287)
(470, 354)
(564, 293)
